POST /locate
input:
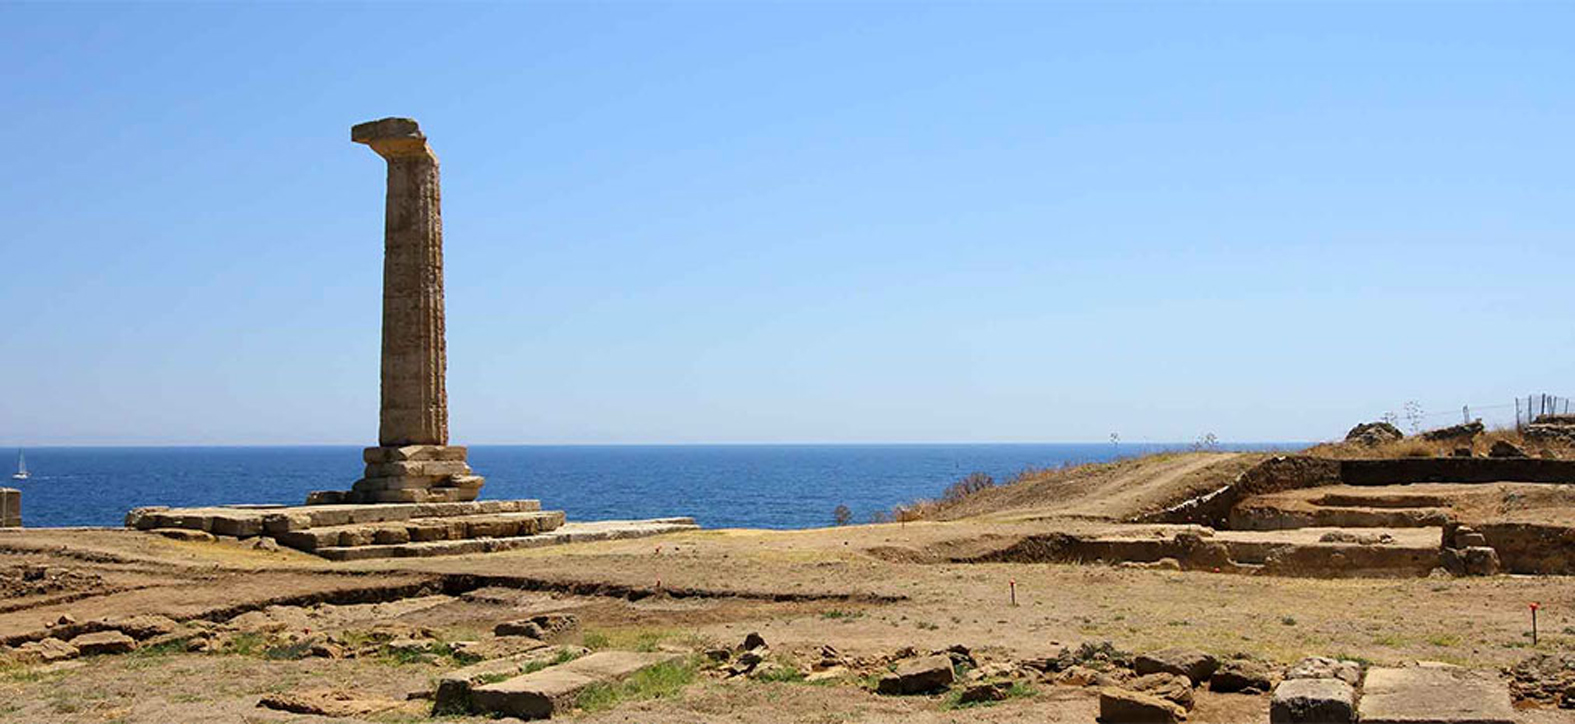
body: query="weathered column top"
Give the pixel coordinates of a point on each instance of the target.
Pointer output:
(392, 137)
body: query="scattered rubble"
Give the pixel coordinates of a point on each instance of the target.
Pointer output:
(1547, 679)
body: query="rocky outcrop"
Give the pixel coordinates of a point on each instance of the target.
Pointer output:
(1505, 449)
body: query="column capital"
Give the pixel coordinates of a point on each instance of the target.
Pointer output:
(393, 138)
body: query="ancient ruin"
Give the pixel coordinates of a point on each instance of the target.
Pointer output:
(417, 496)
(413, 462)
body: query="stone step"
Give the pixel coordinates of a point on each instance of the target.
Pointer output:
(568, 533)
(1271, 516)
(553, 690)
(247, 521)
(423, 530)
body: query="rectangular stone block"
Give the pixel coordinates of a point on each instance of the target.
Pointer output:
(1434, 694)
(402, 483)
(310, 539)
(389, 535)
(356, 536)
(492, 528)
(426, 531)
(541, 694)
(417, 468)
(375, 455)
(325, 497)
(237, 526)
(276, 523)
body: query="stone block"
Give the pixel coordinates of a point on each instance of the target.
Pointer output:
(1480, 561)
(1312, 701)
(389, 535)
(407, 482)
(237, 526)
(541, 694)
(417, 468)
(453, 689)
(141, 518)
(918, 676)
(325, 497)
(374, 455)
(310, 539)
(464, 481)
(104, 642)
(491, 528)
(420, 532)
(353, 536)
(1191, 663)
(1434, 694)
(276, 523)
(1120, 706)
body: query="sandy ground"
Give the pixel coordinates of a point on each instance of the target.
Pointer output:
(848, 590)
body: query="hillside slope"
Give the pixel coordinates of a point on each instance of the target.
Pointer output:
(1106, 491)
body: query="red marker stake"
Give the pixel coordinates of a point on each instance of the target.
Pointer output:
(1534, 608)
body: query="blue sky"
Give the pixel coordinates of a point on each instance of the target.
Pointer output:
(790, 223)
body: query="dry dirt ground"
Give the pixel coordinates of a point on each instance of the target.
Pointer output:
(865, 590)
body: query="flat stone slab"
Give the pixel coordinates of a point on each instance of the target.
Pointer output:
(568, 533)
(541, 694)
(1434, 694)
(245, 521)
(1312, 701)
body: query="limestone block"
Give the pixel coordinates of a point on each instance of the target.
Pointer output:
(408, 482)
(237, 526)
(356, 536)
(46, 651)
(141, 518)
(310, 539)
(491, 528)
(325, 497)
(389, 535)
(1120, 706)
(542, 694)
(10, 508)
(276, 523)
(919, 676)
(1312, 701)
(104, 642)
(417, 468)
(1434, 694)
(426, 531)
(1191, 663)
(375, 455)
(379, 513)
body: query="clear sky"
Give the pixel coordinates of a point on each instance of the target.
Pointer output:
(724, 222)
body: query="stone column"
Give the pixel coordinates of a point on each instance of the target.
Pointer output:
(413, 461)
(414, 400)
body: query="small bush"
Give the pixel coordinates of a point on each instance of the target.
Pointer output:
(842, 515)
(970, 484)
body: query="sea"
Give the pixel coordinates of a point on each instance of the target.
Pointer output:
(721, 486)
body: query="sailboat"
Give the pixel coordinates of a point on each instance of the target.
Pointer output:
(21, 467)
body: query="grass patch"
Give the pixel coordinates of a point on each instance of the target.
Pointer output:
(1446, 640)
(1018, 691)
(659, 681)
(781, 674)
(631, 639)
(246, 644)
(839, 614)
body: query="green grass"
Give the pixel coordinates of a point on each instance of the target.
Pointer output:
(662, 680)
(245, 644)
(631, 639)
(1445, 640)
(1018, 690)
(782, 674)
(839, 614)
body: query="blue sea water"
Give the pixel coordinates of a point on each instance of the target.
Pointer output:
(761, 486)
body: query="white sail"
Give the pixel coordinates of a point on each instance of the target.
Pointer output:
(21, 466)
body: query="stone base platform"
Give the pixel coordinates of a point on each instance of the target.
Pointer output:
(409, 474)
(387, 530)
